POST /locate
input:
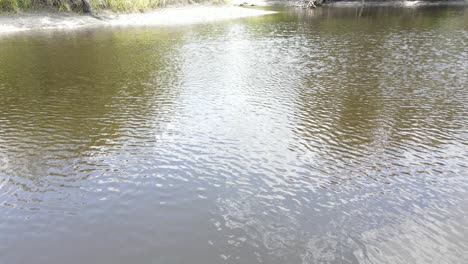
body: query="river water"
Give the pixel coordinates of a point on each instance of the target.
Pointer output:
(335, 135)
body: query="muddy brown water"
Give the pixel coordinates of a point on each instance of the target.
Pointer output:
(336, 135)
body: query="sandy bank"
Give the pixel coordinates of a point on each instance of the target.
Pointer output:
(396, 3)
(164, 17)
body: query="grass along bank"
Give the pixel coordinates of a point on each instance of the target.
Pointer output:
(83, 6)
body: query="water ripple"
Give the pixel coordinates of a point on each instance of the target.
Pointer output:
(324, 136)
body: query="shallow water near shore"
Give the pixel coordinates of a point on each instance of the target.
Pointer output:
(334, 135)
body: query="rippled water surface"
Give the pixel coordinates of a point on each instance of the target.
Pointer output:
(336, 135)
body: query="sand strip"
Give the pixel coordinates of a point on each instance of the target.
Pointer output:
(163, 17)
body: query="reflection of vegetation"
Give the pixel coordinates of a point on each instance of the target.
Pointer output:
(75, 94)
(384, 16)
(373, 90)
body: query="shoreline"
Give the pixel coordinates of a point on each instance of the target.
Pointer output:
(397, 3)
(49, 19)
(170, 16)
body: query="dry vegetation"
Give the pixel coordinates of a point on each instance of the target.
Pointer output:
(80, 5)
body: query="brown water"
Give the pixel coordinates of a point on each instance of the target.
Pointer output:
(337, 135)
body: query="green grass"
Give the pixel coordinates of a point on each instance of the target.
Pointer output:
(98, 5)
